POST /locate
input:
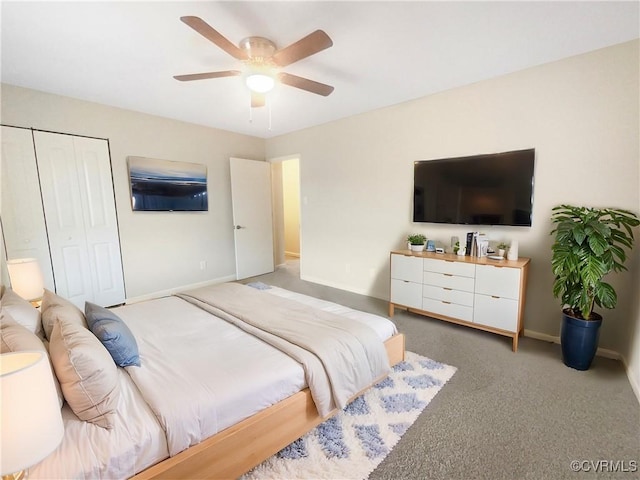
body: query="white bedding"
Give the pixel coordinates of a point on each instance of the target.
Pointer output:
(382, 326)
(340, 358)
(211, 374)
(88, 451)
(184, 350)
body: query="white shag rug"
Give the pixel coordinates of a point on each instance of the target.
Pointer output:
(352, 443)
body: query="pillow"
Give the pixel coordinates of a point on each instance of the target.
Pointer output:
(22, 312)
(114, 334)
(55, 308)
(87, 374)
(16, 338)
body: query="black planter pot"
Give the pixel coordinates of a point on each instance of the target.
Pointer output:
(579, 340)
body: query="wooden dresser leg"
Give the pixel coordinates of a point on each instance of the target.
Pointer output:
(514, 347)
(391, 310)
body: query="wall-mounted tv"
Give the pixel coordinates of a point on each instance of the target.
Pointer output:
(491, 189)
(164, 185)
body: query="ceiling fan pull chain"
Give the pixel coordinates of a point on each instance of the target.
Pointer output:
(268, 101)
(250, 111)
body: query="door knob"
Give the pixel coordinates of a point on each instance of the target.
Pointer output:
(238, 227)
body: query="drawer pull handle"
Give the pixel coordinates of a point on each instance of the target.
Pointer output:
(494, 296)
(448, 274)
(448, 303)
(445, 288)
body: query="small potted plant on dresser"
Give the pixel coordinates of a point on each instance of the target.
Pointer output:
(502, 248)
(416, 242)
(589, 244)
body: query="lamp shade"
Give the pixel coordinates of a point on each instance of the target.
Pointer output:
(26, 278)
(30, 420)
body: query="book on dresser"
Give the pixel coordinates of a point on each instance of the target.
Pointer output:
(477, 292)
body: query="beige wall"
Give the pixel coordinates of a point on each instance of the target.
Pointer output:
(161, 251)
(580, 114)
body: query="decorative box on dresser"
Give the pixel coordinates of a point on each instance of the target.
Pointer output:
(477, 292)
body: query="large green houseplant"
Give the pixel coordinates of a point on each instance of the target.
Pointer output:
(589, 244)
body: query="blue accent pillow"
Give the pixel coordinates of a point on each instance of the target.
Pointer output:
(113, 333)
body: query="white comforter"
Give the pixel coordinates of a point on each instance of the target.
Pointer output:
(340, 358)
(201, 374)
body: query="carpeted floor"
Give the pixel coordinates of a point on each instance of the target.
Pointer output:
(503, 415)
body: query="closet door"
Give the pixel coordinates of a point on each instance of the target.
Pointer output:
(77, 194)
(23, 225)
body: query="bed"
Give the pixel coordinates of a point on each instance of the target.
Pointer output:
(209, 399)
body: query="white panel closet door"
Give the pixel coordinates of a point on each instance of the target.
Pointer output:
(24, 231)
(77, 194)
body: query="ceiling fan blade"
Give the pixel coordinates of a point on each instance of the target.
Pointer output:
(313, 43)
(204, 76)
(257, 100)
(208, 32)
(305, 84)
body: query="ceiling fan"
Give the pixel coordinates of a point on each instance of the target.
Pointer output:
(262, 60)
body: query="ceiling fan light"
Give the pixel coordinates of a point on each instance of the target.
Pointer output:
(260, 83)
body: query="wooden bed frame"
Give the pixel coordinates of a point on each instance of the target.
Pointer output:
(239, 448)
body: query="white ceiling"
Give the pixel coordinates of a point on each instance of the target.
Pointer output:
(125, 54)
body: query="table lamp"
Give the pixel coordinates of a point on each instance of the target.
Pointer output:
(26, 279)
(30, 420)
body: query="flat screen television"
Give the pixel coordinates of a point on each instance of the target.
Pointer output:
(491, 189)
(167, 186)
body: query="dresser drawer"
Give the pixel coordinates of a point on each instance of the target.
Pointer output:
(452, 268)
(448, 295)
(498, 281)
(448, 281)
(461, 312)
(405, 267)
(406, 293)
(496, 312)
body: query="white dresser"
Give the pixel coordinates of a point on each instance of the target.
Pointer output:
(477, 292)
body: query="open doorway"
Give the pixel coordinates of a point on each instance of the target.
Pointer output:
(286, 210)
(291, 208)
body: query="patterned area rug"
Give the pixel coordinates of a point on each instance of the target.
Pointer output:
(352, 443)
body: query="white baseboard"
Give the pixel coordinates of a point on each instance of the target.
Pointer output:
(346, 288)
(171, 291)
(601, 352)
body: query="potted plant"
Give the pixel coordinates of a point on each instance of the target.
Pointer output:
(416, 242)
(589, 244)
(502, 248)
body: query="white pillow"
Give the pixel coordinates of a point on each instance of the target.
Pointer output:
(22, 312)
(55, 308)
(16, 338)
(86, 371)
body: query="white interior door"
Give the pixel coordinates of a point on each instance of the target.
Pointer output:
(252, 216)
(77, 194)
(24, 231)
